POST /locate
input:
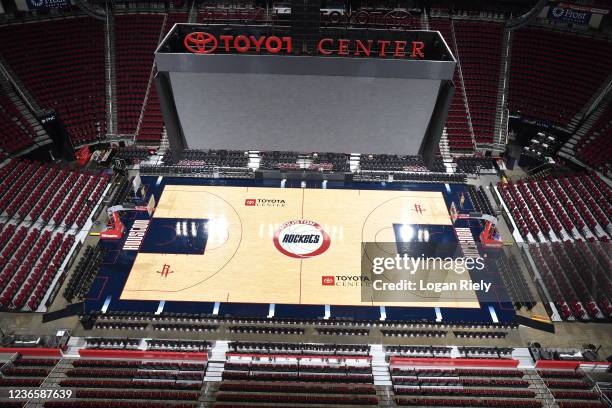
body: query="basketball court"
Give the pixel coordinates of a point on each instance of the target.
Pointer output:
(264, 245)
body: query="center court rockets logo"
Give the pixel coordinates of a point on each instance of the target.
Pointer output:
(301, 239)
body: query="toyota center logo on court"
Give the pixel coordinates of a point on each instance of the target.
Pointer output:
(301, 239)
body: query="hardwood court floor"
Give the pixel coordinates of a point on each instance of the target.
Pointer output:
(241, 264)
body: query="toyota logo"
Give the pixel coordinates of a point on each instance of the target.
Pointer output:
(397, 17)
(558, 11)
(201, 43)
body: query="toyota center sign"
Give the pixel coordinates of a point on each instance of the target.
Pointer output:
(206, 43)
(333, 89)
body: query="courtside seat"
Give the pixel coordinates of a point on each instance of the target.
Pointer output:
(299, 348)
(415, 351)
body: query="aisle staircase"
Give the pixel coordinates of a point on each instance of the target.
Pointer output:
(216, 361)
(109, 72)
(500, 135)
(538, 386)
(568, 150)
(52, 381)
(42, 137)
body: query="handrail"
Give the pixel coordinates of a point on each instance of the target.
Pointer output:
(8, 76)
(465, 97)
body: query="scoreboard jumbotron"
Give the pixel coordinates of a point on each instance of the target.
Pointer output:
(340, 90)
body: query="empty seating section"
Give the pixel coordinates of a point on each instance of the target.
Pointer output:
(132, 154)
(515, 282)
(299, 349)
(279, 161)
(424, 177)
(68, 76)
(299, 381)
(571, 389)
(31, 257)
(595, 148)
(284, 380)
(173, 18)
(150, 130)
(55, 195)
(485, 352)
(136, 37)
(265, 330)
(391, 162)
(576, 278)
(480, 335)
(21, 372)
(480, 201)
(208, 159)
(418, 351)
(461, 387)
(475, 165)
(152, 124)
(146, 403)
(112, 343)
(184, 327)
(539, 88)
(31, 260)
(564, 208)
(191, 346)
(133, 380)
(479, 47)
(457, 126)
(120, 326)
(84, 273)
(330, 161)
(324, 331)
(413, 333)
(15, 132)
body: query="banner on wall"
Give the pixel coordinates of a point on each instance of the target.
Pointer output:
(25, 5)
(575, 14)
(589, 9)
(569, 15)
